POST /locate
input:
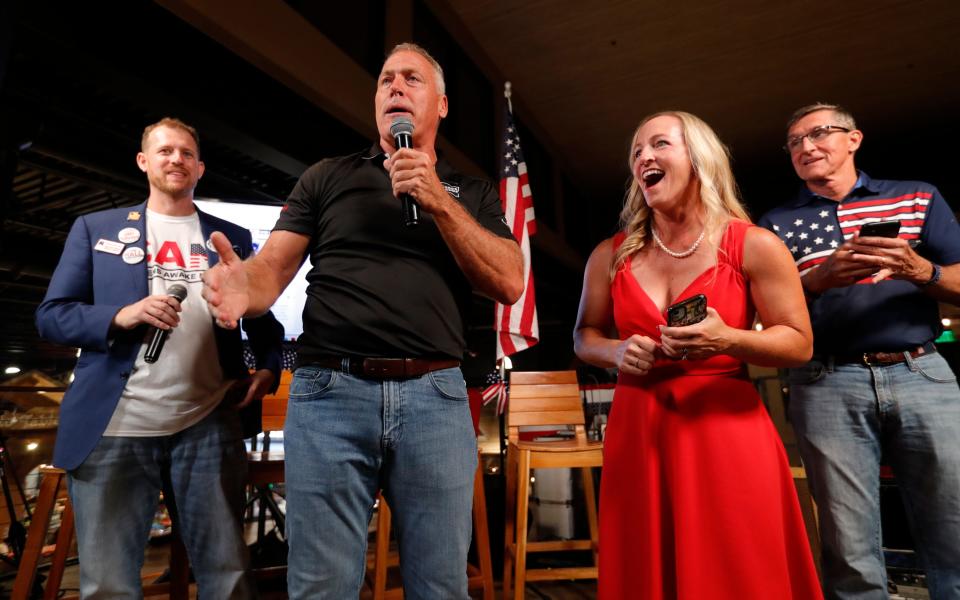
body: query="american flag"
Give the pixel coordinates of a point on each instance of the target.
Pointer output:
(198, 256)
(496, 388)
(812, 240)
(516, 325)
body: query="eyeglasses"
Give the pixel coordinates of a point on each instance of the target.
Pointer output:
(817, 134)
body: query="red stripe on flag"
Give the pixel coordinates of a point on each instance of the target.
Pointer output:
(881, 201)
(516, 326)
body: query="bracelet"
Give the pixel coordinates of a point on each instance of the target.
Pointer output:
(935, 277)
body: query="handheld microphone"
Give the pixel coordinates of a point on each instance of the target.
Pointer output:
(402, 131)
(159, 336)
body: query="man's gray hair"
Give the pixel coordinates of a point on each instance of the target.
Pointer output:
(411, 47)
(844, 116)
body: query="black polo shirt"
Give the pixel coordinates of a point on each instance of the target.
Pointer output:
(378, 288)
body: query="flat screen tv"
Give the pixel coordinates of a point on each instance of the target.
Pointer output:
(260, 219)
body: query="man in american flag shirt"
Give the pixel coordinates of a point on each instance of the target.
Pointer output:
(876, 386)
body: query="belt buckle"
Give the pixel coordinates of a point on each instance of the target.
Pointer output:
(866, 359)
(375, 368)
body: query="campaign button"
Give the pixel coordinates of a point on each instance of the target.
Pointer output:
(133, 255)
(128, 235)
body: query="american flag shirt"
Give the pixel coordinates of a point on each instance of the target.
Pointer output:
(891, 315)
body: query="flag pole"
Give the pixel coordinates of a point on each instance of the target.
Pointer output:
(503, 416)
(507, 93)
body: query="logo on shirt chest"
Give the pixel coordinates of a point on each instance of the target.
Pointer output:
(453, 190)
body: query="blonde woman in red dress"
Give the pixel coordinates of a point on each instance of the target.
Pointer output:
(697, 500)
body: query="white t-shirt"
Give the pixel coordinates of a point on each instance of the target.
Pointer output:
(186, 382)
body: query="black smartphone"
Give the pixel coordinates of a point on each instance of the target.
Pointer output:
(887, 229)
(687, 312)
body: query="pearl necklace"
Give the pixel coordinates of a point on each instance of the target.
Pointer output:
(682, 254)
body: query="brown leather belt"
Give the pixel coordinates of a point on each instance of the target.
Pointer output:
(871, 359)
(385, 368)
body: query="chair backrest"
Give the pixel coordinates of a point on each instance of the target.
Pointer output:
(539, 398)
(275, 405)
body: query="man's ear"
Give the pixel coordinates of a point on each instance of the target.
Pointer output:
(856, 138)
(200, 169)
(142, 161)
(442, 109)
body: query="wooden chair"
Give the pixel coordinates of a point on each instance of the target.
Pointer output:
(479, 576)
(265, 468)
(545, 399)
(177, 586)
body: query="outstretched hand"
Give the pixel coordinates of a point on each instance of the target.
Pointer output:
(226, 285)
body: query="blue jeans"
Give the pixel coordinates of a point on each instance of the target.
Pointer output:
(846, 417)
(201, 471)
(347, 437)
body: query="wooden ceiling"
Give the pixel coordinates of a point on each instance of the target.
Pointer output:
(587, 72)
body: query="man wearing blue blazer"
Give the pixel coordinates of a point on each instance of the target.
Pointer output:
(132, 425)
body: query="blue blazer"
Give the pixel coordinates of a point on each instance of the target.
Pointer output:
(86, 291)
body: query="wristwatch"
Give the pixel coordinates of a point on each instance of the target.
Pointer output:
(935, 276)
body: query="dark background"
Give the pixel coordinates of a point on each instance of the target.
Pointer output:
(78, 82)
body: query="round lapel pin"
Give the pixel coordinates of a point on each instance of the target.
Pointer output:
(133, 255)
(129, 235)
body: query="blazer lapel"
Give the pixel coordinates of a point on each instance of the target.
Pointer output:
(138, 271)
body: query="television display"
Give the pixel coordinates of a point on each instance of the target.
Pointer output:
(260, 219)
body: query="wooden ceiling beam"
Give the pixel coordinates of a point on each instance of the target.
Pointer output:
(276, 39)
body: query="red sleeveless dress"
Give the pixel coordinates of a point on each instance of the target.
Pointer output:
(696, 500)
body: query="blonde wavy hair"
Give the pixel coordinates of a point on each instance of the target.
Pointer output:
(718, 189)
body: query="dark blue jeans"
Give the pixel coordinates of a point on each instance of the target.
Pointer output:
(846, 416)
(347, 437)
(202, 472)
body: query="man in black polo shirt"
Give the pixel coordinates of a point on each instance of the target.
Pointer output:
(378, 400)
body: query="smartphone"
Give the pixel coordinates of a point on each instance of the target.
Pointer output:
(687, 312)
(887, 229)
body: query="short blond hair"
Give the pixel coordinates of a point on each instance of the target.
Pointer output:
(172, 123)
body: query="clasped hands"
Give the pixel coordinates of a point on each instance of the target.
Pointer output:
(637, 353)
(876, 257)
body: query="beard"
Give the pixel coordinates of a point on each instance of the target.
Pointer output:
(173, 187)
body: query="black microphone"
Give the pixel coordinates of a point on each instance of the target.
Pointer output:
(402, 131)
(159, 336)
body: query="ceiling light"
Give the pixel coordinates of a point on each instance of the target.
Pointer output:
(32, 446)
(11, 370)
